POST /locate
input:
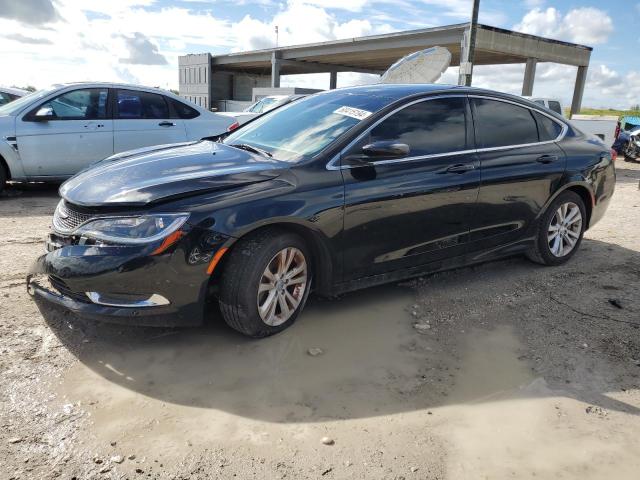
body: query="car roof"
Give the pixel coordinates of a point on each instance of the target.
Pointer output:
(400, 91)
(15, 91)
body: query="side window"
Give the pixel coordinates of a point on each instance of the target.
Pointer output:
(134, 104)
(547, 128)
(500, 124)
(182, 110)
(4, 98)
(85, 104)
(555, 106)
(429, 127)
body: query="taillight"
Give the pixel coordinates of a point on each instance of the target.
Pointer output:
(614, 154)
(233, 126)
(617, 131)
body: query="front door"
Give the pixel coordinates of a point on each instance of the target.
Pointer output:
(62, 136)
(415, 209)
(144, 119)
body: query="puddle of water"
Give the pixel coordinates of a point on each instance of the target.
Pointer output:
(509, 424)
(490, 366)
(363, 363)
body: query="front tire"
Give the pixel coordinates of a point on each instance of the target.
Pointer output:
(266, 282)
(560, 230)
(3, 178)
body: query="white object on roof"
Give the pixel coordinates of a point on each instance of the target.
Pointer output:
(425, 66)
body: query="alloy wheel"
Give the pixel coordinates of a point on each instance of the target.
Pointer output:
(282, 286)
(565, 229)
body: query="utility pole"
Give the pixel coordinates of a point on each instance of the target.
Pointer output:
(468, 48)
(276, 36)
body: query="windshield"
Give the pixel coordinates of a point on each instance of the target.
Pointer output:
(17, 105)
(302, 129)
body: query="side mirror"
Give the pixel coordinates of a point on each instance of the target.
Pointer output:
(386, 149)
(44, 114)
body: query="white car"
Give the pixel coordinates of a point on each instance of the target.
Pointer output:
(9, 94)
(552, 104)
(261, 106)
(54, 133)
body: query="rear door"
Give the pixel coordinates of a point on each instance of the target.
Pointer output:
(521, 167)
(406, 212)
(76, 132)
(143, 119)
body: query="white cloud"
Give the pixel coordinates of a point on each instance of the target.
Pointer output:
(89, 38)
(585, 25)
(142, 51)
(33, 12)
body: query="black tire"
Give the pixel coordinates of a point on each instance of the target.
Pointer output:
(243, 271)
(541, 251)
(3, 178)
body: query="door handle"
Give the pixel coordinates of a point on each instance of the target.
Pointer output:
(547, 158)
(460, 168)
(167, 124)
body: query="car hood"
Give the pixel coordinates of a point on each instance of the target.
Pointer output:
(151, 175)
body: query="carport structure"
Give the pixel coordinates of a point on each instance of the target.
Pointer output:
(374, 54)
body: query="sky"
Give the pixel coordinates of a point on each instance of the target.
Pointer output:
(139, 41)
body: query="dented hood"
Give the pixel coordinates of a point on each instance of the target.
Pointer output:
(169, 171)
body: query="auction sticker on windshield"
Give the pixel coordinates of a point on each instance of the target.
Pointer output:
(353, 112)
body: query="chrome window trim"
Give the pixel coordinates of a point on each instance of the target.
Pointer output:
(333, 163)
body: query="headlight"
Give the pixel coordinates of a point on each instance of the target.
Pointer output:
(133, 230)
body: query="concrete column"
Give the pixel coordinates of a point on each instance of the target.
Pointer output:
(333, 80)
(529, 76)
(275, 70)
(578, 91)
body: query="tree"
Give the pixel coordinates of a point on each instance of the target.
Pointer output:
(635, 107)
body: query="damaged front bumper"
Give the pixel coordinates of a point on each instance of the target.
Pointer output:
(128, 284)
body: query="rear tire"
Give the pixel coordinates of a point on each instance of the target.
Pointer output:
(560, 230)
(265, 283)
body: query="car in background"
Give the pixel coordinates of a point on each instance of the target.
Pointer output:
(54, 133)
(341, 190)
(9, 94)
(551, 103)
(263, 105)
(627, 125)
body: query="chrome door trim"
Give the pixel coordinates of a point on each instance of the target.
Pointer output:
(333, 164)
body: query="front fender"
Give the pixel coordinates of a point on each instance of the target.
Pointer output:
(11, 156)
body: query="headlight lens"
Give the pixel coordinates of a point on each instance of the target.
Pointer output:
(133, 230)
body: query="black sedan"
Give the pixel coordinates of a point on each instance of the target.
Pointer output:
(338, 191)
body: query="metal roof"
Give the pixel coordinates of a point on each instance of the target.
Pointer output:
(376, 53)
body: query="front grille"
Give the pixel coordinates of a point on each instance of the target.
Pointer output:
(66, 219)
(61, 287)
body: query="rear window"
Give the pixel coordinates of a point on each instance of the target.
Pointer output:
(547, 128)
(133, 104)
(501, 124)
(183, 111)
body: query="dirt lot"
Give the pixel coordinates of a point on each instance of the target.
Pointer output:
(512, 371)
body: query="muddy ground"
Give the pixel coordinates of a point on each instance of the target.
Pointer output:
(513, 371)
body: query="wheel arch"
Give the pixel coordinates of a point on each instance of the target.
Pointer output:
(323, 262)
(580, 188)
(5, 166)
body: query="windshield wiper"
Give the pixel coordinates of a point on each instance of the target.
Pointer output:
(251, 148)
